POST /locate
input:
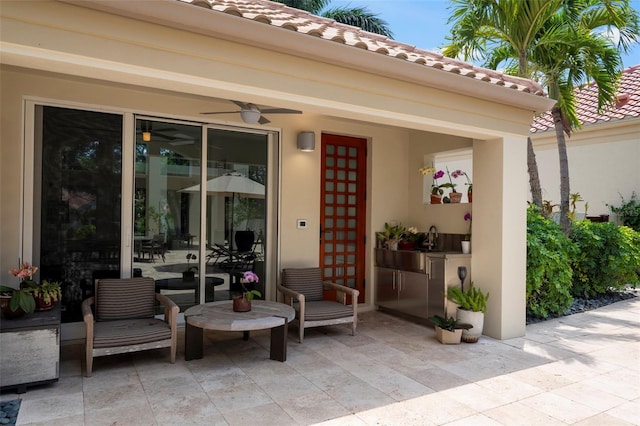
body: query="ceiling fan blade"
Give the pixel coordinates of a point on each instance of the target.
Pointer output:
(221, 112)
(263, 120)
(280, 111)
(242, 105)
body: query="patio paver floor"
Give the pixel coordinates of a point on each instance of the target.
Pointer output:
(583, 369)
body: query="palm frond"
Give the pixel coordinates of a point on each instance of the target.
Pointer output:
(360, 17)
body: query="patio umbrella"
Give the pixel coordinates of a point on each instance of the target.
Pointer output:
(230, 185)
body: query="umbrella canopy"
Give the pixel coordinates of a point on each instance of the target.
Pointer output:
(230, 184)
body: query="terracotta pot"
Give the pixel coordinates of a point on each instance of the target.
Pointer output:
(470, 195)
(41, 305)
(241, 304)
(455, 197)
(436, 199)
(8, 314)
(406, 245)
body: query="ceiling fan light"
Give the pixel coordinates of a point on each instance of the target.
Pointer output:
(250, 116)
(146, 136)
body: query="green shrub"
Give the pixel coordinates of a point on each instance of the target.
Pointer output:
(549, 274)
(608, 258)
(629, 212)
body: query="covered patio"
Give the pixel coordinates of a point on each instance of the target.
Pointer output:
(581, 369)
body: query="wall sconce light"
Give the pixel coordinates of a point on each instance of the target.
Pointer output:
(146, 136)
(306, 141)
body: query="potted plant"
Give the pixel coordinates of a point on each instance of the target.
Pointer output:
(46, 294)
(242, 303)
(448, 330)
(391, 235)
(436, 189)
(472, 306)
(410, 239)
(454, 196)
(17, 302)
(189, 274)
(466, 239)
(457, 174)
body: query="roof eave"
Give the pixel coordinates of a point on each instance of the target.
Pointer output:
(233, 28)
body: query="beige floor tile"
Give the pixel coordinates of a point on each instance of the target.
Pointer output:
(476, 420)
(559, 407)
(52, 408)
(542, 377)
(391, 373)
(313, 408)
(438, 408)
(135, 414)
(604, 419)
(115, 397)
(629, 411)
(358, 395)
(263, 415)
(476, 397)
(519, 414)
(393, 414)
(593, 397)
(240, 397)
(437, 379)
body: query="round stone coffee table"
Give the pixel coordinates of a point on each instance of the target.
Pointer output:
(220, 316)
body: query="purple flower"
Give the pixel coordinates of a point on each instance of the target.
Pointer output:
(467, 216)
(438, 174)
(250, 277)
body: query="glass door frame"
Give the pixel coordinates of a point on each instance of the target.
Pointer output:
(30, 247)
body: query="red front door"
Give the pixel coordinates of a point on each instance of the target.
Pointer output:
(342, 216)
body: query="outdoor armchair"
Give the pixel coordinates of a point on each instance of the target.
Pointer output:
(124, 319)
(303, 289)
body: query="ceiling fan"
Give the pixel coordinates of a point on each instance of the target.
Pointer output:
(251, 114)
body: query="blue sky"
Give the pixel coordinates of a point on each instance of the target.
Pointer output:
(423, 23)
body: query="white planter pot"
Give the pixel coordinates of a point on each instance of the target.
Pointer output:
(466, 247)
(476, 319)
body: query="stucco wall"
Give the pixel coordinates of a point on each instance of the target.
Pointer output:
(604, 163)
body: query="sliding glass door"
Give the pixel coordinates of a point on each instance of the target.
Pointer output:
(77, 214)
(186, 204)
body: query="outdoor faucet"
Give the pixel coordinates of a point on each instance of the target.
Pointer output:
(433, 237)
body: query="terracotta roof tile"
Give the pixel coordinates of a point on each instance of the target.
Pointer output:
(279, 15)
(627, 106)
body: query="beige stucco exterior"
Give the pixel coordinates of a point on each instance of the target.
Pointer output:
(69, 55)
(603, 164)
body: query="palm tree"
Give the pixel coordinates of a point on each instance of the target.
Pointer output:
(356, 16)
(555, 42)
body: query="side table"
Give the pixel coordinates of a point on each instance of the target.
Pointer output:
(30, 352)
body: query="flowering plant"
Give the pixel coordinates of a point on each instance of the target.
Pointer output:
(250, 277)
(467, 236)
(25, 271)
(22, 297)
(450, 184)
(413, 235)
(436, 189)
(457, 173)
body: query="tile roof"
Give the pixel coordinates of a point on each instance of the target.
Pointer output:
(279, 15)
(627, 106)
